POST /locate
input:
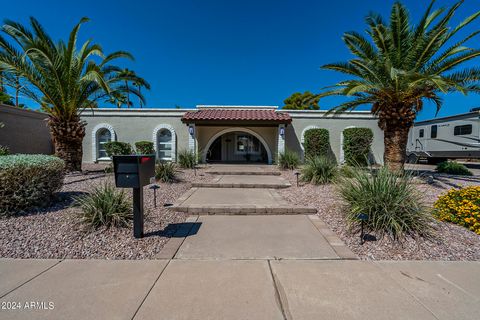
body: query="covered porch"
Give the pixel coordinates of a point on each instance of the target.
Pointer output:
(249, 135)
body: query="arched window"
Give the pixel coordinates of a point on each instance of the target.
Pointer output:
(103, 136)
(164, 140)
(164, 144)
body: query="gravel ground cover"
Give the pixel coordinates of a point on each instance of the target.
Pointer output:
(56, 231)
(451, 242)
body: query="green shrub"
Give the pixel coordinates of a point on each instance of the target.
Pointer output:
(347, 171)
(319, 170)
(117, 148)
(105, 206)
(452, 167)
(316, 143)
(165, 171)
(4, 151)
(288, 160)
(393, 205)
(28, 181)
(144, 147)
(186, 159)
(356, 145)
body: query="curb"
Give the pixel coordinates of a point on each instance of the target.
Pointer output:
(333, 240)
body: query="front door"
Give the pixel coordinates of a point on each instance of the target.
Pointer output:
(215, 152)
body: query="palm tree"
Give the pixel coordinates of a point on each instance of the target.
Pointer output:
(129, 75)
(141, 83)
(63, 79)
(118, 99)
(403, 66)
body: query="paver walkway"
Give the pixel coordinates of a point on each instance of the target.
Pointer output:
(242, 267)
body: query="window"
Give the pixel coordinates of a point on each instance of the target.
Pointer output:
(246, 143)
(462, 130)
(103, 136)
(164, 147)
(421, 133)
(433, 132)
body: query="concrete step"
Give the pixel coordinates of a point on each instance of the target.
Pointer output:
(243, 173)
(245, 181)
(250, 170)
(236, 201)
(243, 210)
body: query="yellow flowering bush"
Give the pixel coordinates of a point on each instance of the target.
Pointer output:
(461, 207)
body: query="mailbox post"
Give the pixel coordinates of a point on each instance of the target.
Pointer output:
(134, 172)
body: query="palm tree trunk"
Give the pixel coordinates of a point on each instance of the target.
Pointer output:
(67, 137)
(395, 140)
(140, 100)
(128, 94)
(17, 90)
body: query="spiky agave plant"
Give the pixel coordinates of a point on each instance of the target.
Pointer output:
(63, 78)
(402, 65)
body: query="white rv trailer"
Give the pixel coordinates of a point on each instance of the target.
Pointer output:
(454, 137)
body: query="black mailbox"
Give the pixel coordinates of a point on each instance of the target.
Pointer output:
(134, 172)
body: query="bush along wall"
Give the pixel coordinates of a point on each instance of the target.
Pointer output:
(28, 181)
(317, 143)
(357, 144)
(144, 147)
(4, 151)
(117, 148)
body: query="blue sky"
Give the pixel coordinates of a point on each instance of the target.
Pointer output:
(227, 52)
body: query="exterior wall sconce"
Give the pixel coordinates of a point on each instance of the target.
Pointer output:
(282, 131)
(191, 130)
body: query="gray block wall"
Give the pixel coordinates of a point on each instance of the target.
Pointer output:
(132, 125)
(25, 131)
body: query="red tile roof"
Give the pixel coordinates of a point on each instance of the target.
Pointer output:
(236, 115)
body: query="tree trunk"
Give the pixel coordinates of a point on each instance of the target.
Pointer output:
(140, 100)
(128, 94)
(17, 90)
(67, 137)
(395, 140)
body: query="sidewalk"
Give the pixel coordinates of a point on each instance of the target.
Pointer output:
(239, 289)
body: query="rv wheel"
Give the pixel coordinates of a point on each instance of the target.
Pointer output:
(412, 158)
(436, 160)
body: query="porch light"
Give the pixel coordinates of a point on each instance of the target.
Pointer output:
(191, 130)
(282, 131)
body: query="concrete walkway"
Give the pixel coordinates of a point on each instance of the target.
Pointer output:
(256, 237)
(245, 181)
(231, 201)
(239, 189)
(241, 267)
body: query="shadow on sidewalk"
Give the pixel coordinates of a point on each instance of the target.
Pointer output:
(176, 230)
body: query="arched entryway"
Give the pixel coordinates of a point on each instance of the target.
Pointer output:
(237, 145)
